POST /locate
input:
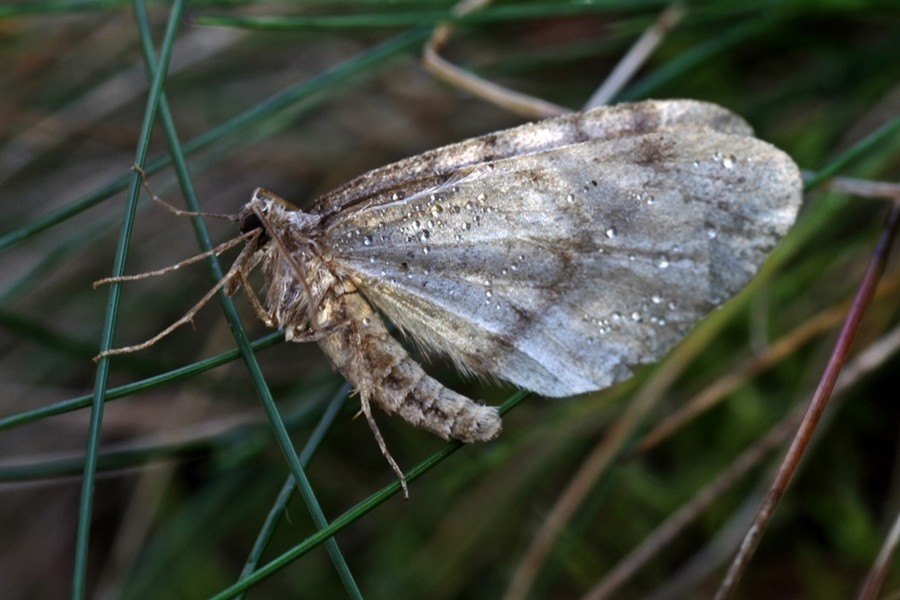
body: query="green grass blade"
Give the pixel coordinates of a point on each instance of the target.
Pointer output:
(287, 490)
(93, 442)
(310, 91)
(240, 335)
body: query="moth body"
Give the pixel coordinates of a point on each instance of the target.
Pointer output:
(309, 297)
(557, 255)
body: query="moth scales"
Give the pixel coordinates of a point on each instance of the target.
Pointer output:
(555, 255)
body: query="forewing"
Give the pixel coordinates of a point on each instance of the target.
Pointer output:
(435, 166)
(561, 269)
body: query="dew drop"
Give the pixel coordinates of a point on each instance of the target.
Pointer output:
(663, 262)
(611, 232)
(367, 241)
(570, 198)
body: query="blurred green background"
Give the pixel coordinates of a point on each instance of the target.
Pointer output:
(188, 465)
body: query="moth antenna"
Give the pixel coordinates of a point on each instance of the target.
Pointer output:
(214, 252)
(177, 211)
(188, 317)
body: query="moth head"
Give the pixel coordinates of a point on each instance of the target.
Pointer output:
(268, 215)
(254, 214)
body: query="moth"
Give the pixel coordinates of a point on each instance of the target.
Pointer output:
(556, 256)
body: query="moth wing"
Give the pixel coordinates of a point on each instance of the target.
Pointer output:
(560, 270)
(431, 167)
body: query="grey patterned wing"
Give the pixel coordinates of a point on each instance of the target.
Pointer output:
(559, 270)
(432, 167)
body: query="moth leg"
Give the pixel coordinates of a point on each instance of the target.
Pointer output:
(214, 252)
(364, 352)
(300, 335)
(367, 411)
(293, 333)
(264, 315)
(188, 317)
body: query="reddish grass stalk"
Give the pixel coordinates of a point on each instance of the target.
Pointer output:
(815, 409)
